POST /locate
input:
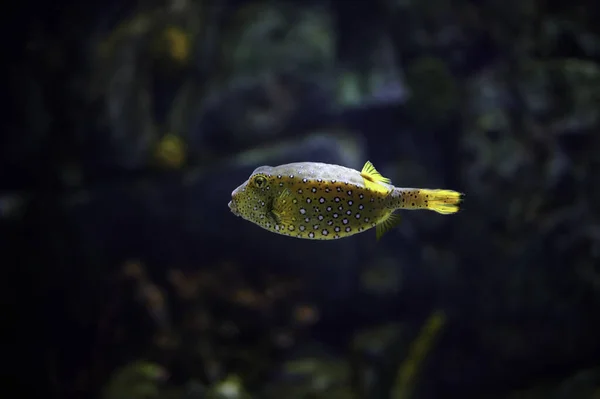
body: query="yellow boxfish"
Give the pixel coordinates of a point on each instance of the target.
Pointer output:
(320, 201)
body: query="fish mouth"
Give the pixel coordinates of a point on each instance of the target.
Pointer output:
(233, 208)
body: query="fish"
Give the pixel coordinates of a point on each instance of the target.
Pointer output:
(320, 201)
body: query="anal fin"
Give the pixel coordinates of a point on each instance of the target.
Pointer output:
(385, 225)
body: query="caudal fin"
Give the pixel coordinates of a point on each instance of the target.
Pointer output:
(438, 200)
(442, 201)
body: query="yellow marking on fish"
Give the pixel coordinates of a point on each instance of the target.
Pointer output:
(319, 201)
(373, 178)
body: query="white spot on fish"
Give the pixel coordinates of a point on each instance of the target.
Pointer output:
(324, 232)
(345, 221)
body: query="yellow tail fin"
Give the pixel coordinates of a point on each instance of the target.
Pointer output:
(441, 201)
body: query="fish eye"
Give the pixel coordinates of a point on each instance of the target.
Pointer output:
(260, 181)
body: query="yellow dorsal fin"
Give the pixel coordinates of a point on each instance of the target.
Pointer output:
(282, 208)
(389, 222)
(373, 178)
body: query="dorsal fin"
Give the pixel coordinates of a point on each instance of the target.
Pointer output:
(373, 178)
(389, 222)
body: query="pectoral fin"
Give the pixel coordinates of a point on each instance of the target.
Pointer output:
(282, 208)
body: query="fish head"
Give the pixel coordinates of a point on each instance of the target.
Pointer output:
(252, 200)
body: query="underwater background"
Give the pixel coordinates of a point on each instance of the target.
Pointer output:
(128, 124)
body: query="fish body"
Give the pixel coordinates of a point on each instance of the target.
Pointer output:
(320, 201)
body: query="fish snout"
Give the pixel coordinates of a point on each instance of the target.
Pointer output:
(234, 196)
(233, 207)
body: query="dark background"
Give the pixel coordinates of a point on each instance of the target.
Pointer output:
(128, 124)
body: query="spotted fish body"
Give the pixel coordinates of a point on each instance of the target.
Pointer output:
(321, 201)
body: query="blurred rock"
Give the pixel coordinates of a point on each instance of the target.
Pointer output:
(454, 33)
(583, 384)
(138, 380)
(434, 92)
(275, 78)
(280, 36)
(377, 79)
(383, 277)
(312, 376)
(569, 88)
(251, 111)
(229, 388)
